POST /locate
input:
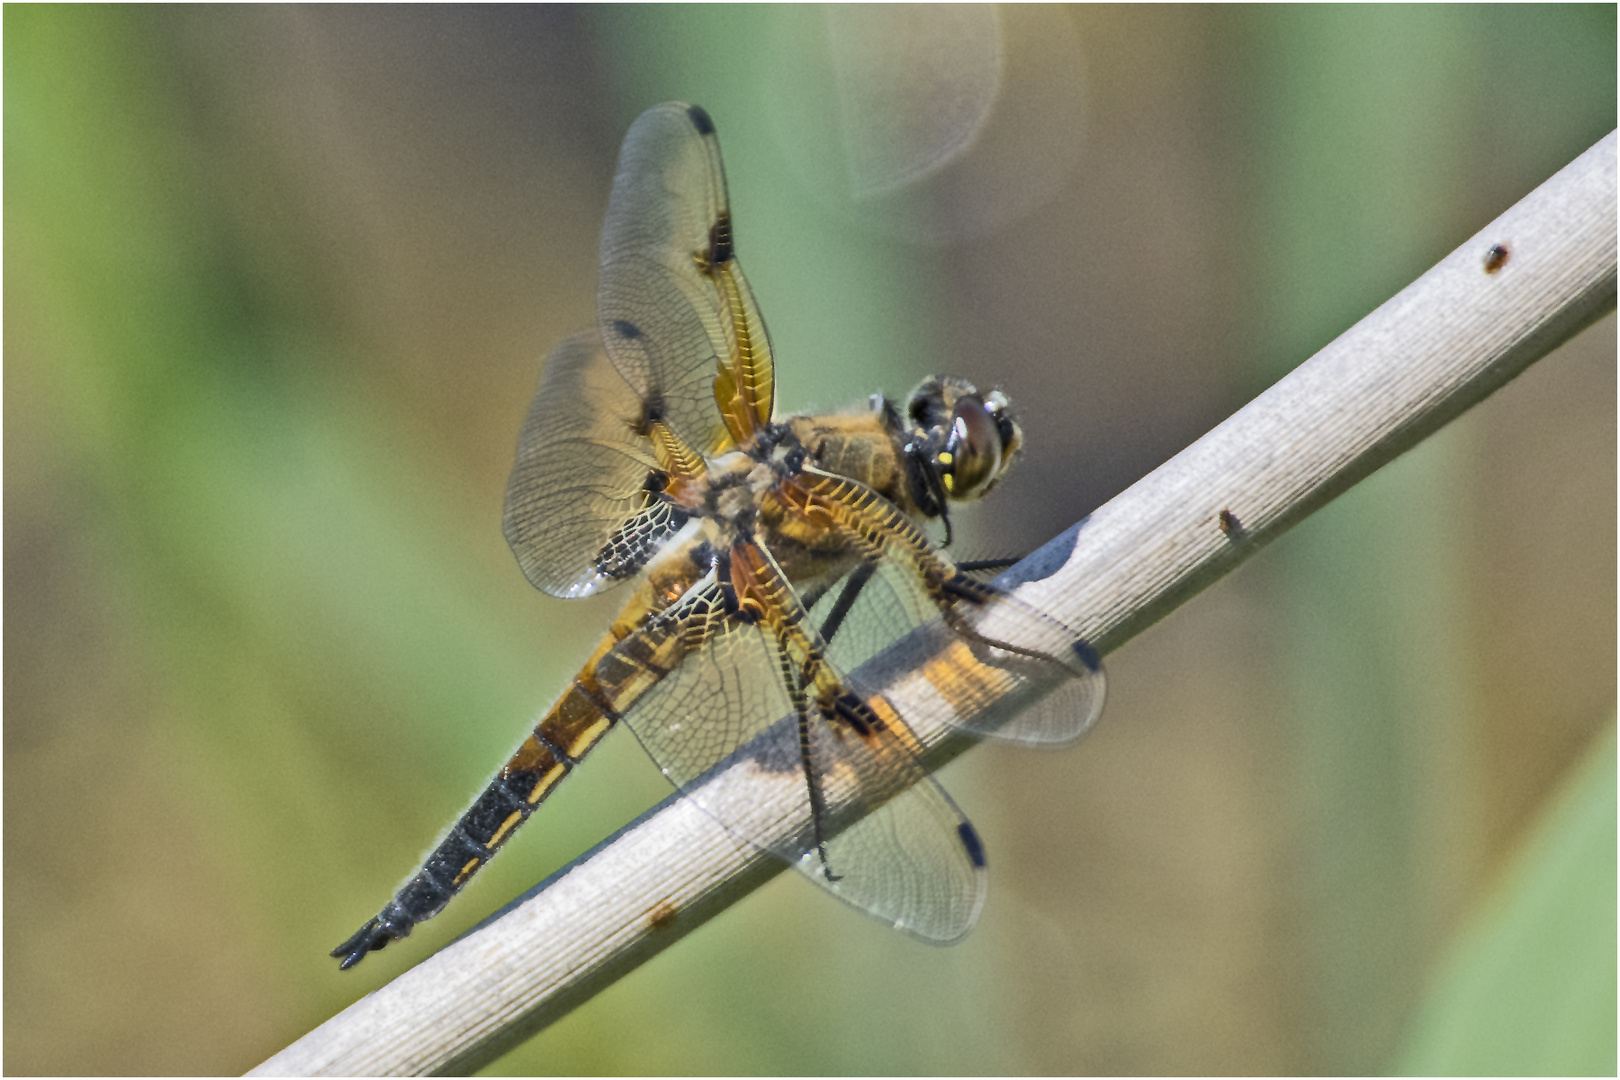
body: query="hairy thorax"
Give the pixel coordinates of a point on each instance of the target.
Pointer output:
(738, 499)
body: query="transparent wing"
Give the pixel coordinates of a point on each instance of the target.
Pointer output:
(844, 799)
(673, 306)
(994, 665)
(581, 512)
(680, 367)
(984, 655)
(908, 856)
(1050, 667)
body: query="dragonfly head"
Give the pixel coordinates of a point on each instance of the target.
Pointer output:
(970, 438)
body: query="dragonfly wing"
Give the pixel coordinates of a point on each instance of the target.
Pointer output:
(907, 856)
(1035, 652)
(714, 721)
(673, 305)
(979, 646)
(849, 805)
(680, 368)
(581, 509)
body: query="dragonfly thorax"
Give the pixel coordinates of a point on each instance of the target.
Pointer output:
(727, 495)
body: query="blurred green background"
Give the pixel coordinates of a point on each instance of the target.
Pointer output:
(278, 282)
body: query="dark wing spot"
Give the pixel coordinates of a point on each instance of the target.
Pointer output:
(700, 119)
(626, 329)
(720, 248)
(652, 412)
(971, 842)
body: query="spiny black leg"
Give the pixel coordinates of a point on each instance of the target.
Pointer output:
(983, 566)
(979, 593)
(797, 681)
(812, 781)
(846, 599)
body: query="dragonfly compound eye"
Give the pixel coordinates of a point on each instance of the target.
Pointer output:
(977, 449)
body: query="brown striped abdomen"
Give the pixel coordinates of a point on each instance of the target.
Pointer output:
(627, 663)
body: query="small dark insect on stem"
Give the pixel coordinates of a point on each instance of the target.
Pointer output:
(1230, 525)
(1496, 258)
(662, 915)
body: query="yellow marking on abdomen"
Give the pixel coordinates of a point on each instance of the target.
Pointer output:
(513, 820)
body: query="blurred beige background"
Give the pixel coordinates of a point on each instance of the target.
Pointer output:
(278, 282)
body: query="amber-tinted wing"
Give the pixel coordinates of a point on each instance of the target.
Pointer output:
(735, 725)
(680, 368)
(675, 311)
(580, 508)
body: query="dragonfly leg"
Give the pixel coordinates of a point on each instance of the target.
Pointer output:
(812, 782)
(979, 566)
(846, 599)
(812, 776)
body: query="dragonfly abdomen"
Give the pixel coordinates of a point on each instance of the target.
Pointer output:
(562, 737)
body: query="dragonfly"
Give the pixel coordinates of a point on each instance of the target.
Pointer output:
(774, 558)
